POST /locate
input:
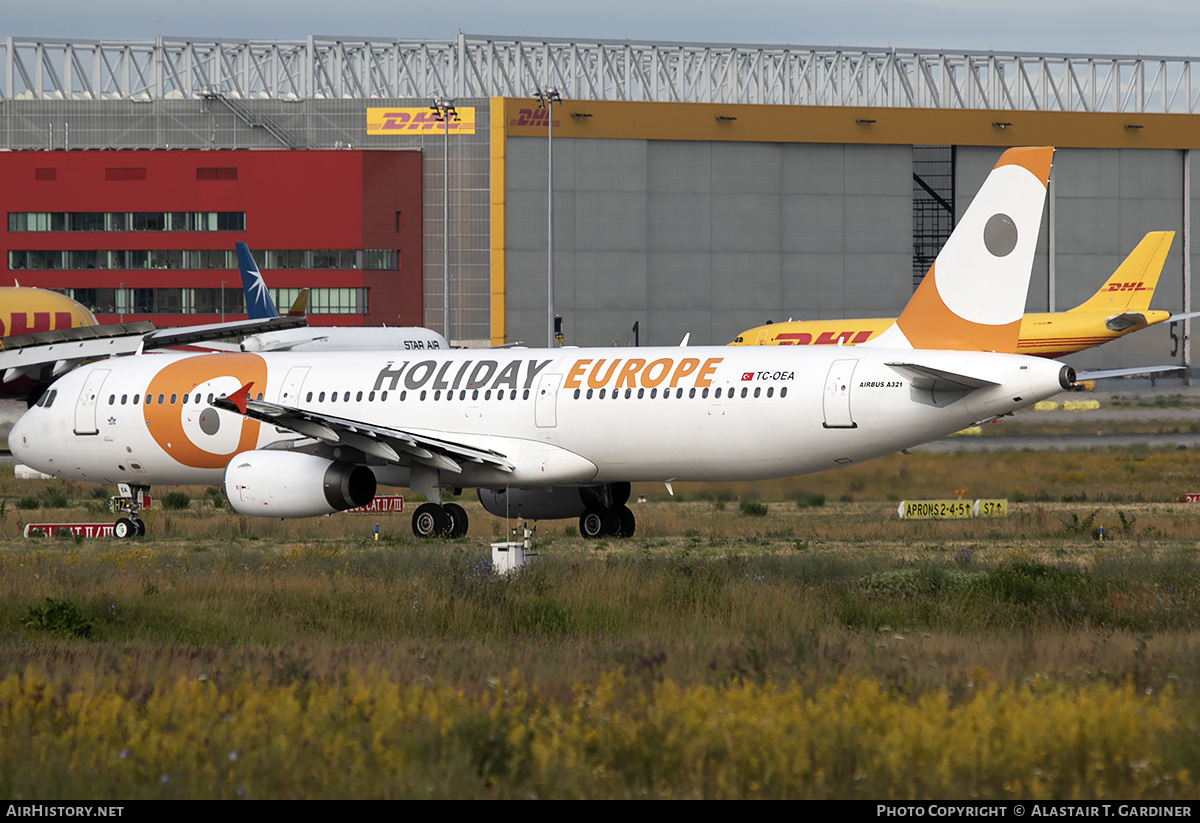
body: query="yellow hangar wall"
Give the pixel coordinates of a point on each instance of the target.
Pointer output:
(584, 119)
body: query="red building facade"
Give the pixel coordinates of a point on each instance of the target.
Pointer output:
(149, 235)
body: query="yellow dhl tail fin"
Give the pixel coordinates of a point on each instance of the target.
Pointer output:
(1132, 285)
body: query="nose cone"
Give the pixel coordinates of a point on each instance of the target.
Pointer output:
(19, 437)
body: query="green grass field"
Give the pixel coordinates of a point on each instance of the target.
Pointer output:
(813, 645)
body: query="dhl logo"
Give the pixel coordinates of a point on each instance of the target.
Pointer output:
(636, 373)
(420, 120)
(18, 322)
(1126, 287)
(536, 118)
(827, 338)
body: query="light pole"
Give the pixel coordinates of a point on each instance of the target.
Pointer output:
(546, 100)
(444, 110)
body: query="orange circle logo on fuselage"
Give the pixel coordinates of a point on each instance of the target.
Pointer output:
(193, 433)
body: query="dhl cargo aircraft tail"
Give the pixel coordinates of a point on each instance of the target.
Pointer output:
(1120, 307)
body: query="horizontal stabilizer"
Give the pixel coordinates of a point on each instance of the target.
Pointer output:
(1128, 320)
(930, 379)
(1187, 315)
(1100, 374)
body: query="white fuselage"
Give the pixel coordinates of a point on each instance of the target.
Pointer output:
(559, 416)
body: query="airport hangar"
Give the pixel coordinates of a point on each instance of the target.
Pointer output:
(697, 188)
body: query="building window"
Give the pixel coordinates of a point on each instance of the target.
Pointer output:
(125, 173)
(216, 173)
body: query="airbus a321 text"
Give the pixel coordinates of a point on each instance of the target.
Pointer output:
(562, 432)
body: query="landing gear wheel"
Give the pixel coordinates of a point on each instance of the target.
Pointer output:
(628, 524)
(125, 528)
(430, 520)
(141, 527)
(598, 522)
(458, 519)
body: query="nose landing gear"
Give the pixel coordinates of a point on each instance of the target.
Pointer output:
(130, 501)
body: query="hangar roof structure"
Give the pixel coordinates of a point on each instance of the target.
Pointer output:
(487, 66)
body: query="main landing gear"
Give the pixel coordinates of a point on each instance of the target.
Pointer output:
(129, 501)
(607, 515)
(446, 520)
(600, 521)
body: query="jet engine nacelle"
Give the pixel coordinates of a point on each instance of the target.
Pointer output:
(551, 504)
(288, 484)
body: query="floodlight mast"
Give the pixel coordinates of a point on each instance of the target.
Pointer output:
(444, 111)
(546, 100)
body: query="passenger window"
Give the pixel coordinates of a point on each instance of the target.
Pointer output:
(345, 399)
(321, 397)
(124, 398)
(744, 392)
(704, 393)
(308, 398)
(422, 394)
(161, 398)
(357, 397)
(718, 394)
(112, 400)
(526, 395)
(771, 391)
(757, 391)
(783, 392)
(691, 393)
(174, 397)
(136, 399)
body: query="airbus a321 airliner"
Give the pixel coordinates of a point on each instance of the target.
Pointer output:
(561, 432)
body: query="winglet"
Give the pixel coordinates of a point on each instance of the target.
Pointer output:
(1131, 287)
(974, 295)
(259, 304)
(239, 397)
(299, 305)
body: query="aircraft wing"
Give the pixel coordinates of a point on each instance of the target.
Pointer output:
(45, 355)
(929, 379)
(393, 445)
(191, 335)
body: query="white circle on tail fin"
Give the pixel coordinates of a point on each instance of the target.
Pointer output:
(974, 281)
